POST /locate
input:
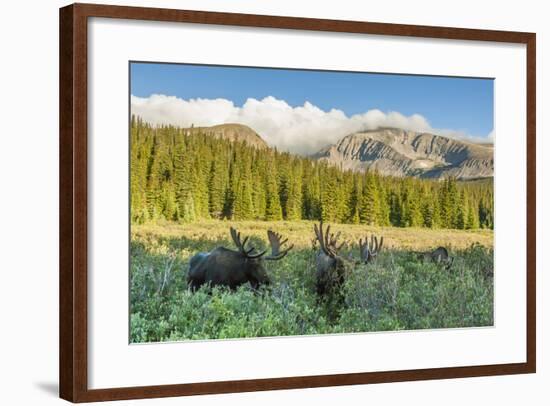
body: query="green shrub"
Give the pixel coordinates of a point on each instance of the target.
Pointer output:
(397, 292)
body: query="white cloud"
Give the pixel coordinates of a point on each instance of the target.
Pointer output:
(302, 129)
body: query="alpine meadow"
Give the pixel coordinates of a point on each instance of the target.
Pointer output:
(254, 217)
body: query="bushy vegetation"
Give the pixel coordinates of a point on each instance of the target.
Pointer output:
(397, 292)
(185, 176)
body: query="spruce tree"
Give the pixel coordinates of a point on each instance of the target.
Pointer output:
(369, 203)
(183, 184)
(273, 210)
(217, 185)
(329, 195)
(294, 199)
(353, 203)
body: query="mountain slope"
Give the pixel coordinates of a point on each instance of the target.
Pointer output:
(397, 152)
(233, 132)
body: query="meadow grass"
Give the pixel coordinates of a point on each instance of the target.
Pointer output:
(397, 292)
(300, 233)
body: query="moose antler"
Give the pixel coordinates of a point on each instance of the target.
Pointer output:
(276, 244)
(242, 245)
(333, 242)
(314, 243)
(369, 252)
(325, 240)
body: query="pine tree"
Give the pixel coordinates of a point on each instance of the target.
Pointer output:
(183, 184)
(369, 203)
(353, 203)
(153, 193)
(201, 172)
(311, 200)
(217, 185)
(472, 221)
(258, 176)
(460, 221)
(384, 211)
(294, 199)
(427, 210)
(242, 206)
(396, 209)
(169, 198)
(414, 212)
(273, 210)
(329, 196)
(138, 173)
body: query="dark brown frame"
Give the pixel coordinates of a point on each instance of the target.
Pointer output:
(73, 308)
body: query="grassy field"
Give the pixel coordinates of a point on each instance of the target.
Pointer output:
(396, 292)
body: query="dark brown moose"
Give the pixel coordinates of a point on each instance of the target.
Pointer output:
(440, 256)
(331, 266)
(225, 267)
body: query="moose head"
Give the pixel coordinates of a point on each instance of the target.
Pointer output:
(226, 267)
(369, 251)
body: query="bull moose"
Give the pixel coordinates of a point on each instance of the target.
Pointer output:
(369, 252)
(225, 267)
(440, 256)
(331, 266)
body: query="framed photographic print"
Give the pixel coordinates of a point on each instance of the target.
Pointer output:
(256, 202)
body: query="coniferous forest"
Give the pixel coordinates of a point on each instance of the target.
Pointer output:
(183, 176)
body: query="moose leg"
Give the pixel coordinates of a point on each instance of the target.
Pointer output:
(193, 285)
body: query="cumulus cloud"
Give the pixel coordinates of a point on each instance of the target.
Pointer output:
(300, 129)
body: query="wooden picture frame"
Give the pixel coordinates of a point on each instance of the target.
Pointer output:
(73, 199)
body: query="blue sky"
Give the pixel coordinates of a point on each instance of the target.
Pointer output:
(460, 104)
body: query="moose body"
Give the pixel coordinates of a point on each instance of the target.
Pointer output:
(226, 267)
(330, 273)
(440, 256)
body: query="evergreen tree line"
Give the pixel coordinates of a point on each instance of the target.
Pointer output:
(184, 177)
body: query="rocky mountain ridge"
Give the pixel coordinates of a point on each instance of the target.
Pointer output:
(397, 152)
(233, 132)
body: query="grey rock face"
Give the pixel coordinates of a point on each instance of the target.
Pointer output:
(397, 152)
